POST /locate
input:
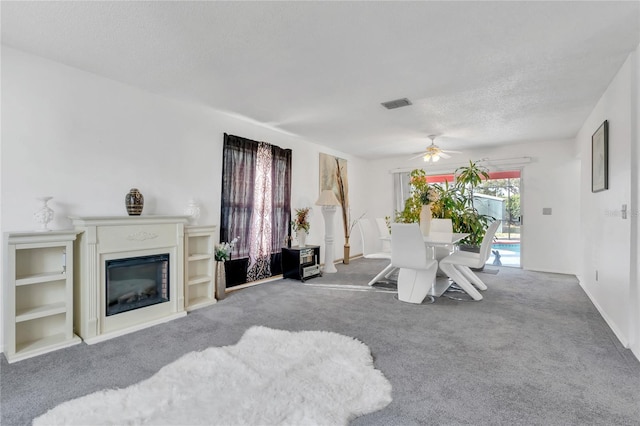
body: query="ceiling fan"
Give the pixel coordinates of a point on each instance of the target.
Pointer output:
(433, 152)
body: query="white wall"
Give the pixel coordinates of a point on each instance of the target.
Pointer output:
(606, 238)
(86, 140)
(635, 211)
(549, 180)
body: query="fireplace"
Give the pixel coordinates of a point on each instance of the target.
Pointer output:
(129, 274)
(136, 282)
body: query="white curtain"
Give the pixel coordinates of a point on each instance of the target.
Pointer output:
(260, 231)
(401, 189)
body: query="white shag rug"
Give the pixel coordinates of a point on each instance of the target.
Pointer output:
(270, 377)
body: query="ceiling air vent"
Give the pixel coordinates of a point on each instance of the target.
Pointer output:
(398, 103)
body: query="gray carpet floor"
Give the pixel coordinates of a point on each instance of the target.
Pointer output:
(534, 352)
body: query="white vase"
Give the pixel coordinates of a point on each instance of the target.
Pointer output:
(193, 211)
(425, 219)
(301, 236)
(44, 215)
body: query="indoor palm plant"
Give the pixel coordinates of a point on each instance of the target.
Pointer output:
(469, 220)
(453, 202)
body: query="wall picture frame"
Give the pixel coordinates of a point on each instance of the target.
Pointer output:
(330, 169)
(600, 158)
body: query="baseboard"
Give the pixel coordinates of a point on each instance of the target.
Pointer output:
(355, 256)
(122, 332)
(254, 283)
(277, 277)
(616, 331)
(636, 351)
(551, 271)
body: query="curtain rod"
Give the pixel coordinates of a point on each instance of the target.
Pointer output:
(450, 167)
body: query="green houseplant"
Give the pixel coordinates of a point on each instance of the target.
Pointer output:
(470, 221)
(422, 193)
(300, 225)
(453, 202)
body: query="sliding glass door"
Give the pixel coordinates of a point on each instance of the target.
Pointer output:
(498, 196)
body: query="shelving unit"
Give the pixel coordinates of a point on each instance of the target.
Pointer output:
(199, 264)
(301, 263)
(38, 293)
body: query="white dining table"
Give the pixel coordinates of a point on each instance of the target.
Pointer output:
(434, 239)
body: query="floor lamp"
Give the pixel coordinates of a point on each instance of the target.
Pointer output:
(328, 201)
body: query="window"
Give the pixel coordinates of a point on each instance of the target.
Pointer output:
(256, 206)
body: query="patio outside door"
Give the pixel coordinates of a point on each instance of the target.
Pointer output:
(499, 197)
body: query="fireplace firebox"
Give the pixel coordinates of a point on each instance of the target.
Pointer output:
(136, 282)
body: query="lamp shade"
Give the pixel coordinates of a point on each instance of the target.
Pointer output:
(327, 198)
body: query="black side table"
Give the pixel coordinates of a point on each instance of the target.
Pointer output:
(301, 263)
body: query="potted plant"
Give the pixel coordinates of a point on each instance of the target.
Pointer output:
(453, 201)
(422, 194)
(300, 224)
(222, 253)
(470, 221)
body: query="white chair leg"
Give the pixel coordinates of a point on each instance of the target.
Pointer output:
(388, 274)
(472, 277)
(459, 279)
(382, 273)
(413, 285)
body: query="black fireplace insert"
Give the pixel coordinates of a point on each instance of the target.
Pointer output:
(136, 282)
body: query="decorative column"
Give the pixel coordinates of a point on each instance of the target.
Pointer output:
(328, 201)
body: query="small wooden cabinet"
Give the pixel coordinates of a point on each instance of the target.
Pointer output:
(38, 293)
(199, 266)
(301, 263)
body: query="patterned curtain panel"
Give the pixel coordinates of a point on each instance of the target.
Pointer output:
(260, 231)
(280, 197)
(238, 174)
(256, 205)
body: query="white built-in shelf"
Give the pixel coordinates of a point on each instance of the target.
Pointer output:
(43, 345)
(194, 257)
(199, 266)
(38, 293)
(41, 311)
(40, 278)
(199, 302)
(199, 279)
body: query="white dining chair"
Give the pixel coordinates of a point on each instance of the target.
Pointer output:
(373, 247)
(383, 231)
(458, 265)
(417, 270)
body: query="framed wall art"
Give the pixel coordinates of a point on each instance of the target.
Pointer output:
(600, 158)
(333, 176)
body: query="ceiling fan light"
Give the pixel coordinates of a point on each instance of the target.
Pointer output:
(435, 157)
(426, 158)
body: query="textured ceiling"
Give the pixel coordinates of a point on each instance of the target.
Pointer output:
(478, 73)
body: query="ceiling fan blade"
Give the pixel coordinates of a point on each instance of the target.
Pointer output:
(452, 152)
(443, 155)
(417, 156)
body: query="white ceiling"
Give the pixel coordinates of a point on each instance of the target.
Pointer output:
(478, 73)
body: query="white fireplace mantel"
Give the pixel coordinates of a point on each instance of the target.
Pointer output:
(103, 238)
